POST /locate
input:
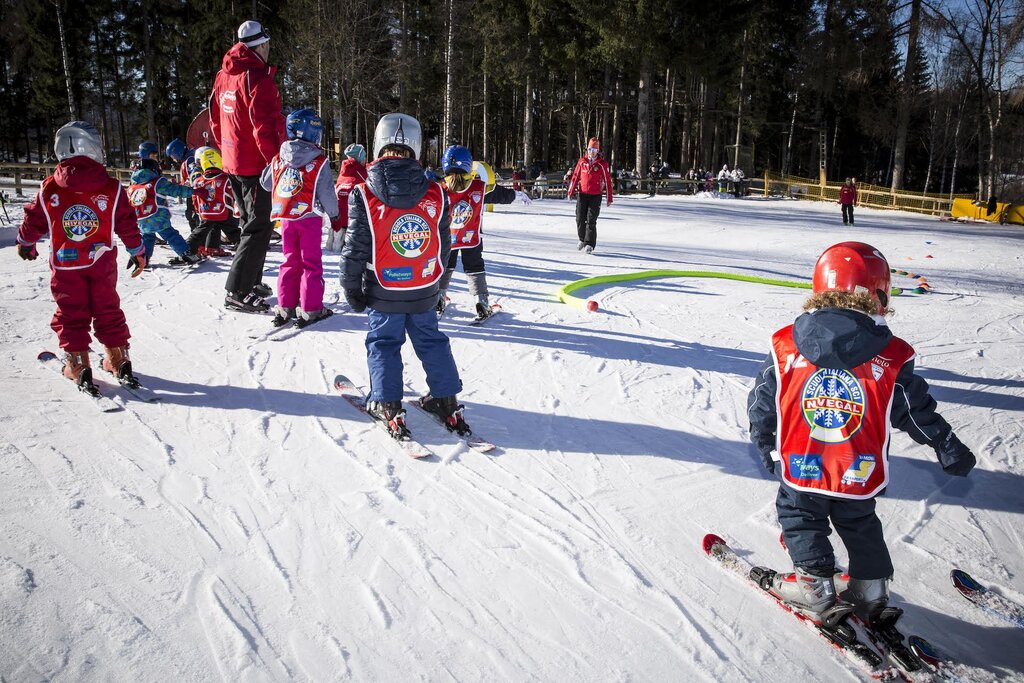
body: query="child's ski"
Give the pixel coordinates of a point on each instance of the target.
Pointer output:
(357, 399)
(990, 602)
(92, 395)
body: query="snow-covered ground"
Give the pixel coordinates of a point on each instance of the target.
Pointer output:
(254, 527)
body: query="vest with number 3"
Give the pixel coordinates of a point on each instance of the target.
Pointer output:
(467, 215)
(294, 188)
(834, 423)
(81, 223)
(406, 242)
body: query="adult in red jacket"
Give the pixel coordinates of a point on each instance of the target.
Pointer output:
(353, 172)
(81, 208)
(246, 123)
(847, 198)
(590, 179)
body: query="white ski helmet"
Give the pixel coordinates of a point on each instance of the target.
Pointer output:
(197, 155)
(78, 138)
(398, 129)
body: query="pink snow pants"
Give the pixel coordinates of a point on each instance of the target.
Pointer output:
(300, 280)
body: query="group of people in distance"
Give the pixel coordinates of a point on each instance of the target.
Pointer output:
(820, 410)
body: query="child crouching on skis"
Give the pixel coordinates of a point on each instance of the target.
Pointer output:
(302, 191)
(820, 415)
(148, 195)
(81, 207)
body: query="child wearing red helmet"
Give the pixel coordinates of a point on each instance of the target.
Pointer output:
(820, 415)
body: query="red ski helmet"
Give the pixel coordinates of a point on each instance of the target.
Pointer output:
(853, 267)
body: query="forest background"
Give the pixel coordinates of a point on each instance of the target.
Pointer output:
(919, 94)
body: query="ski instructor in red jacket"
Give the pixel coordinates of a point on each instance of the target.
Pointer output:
(590, 179)
(246, 123)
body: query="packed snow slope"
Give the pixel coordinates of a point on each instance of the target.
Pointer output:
(254, 527)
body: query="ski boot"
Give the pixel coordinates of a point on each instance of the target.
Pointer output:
(307, 318)
(810, 595)
(483, 310)
(262, 290)
(117, 363)
(78, 370)
(392, 415)
(449, 410)
(282, 316)
(186, 259)
(247, 303)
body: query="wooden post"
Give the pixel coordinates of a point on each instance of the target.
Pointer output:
(766, 184)
(17, 182)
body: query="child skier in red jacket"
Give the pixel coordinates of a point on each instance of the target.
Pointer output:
(81, 207)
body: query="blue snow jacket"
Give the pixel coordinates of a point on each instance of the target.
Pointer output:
(164, 188)
(399, 183)
(842, 338)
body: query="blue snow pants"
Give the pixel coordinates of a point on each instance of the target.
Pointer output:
(174, 240)
(384, 354)
(805, 527)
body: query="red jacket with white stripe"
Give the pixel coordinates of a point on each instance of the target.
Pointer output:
(591, 177)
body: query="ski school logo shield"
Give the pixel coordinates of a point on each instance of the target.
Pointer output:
(80, 223)
(410, 235)
(860, 470)
(137, 197)
(461, 214)
(290, 183)
(832, 402)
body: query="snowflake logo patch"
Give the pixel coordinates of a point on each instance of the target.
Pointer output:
(833, 405)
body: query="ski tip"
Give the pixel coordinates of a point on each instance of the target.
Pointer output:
(710, 541)
(46, 355)
(964, 582)
(924, 650)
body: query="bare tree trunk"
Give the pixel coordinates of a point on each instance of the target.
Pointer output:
(147, 64)
(448, 125)
(643, 96)
(486, 122)
(670, 107)
(906, 99)
(64, 53)
(739, 107)
(616, 157)
(104, 129)
(528, 123)
(788, 155)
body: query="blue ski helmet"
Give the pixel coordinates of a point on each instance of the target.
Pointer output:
(176, 149)
(458, 158)
(147, 148)
(304, 124)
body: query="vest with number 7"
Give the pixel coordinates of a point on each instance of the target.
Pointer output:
(833, 436)
(406, 242)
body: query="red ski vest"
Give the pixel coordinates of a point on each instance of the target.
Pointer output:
(294, 188)
(81, 223)
(467, 215)
(406, 242)
(834, 423)
(142, 197)
(212, 196)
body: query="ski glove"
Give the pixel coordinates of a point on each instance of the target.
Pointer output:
(28, 252)
(523, 197)
(138, 262)
(956, 458)
(356, 299)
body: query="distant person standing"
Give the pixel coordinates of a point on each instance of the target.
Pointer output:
(590, 179)
(246, 122)
(847, 198)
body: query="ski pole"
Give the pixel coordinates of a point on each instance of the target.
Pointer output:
(3, 203)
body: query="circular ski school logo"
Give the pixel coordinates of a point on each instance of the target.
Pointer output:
(462, 213)
(833, 405)
(290, 183)
(80, 223)
(410, 235)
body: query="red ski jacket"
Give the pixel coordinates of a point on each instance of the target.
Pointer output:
(81, 176)
(245, 112)
(589, 176)
(848, 194)
(351, 174)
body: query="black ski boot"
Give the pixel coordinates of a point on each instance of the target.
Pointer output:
(449, 410)
(392, 414)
